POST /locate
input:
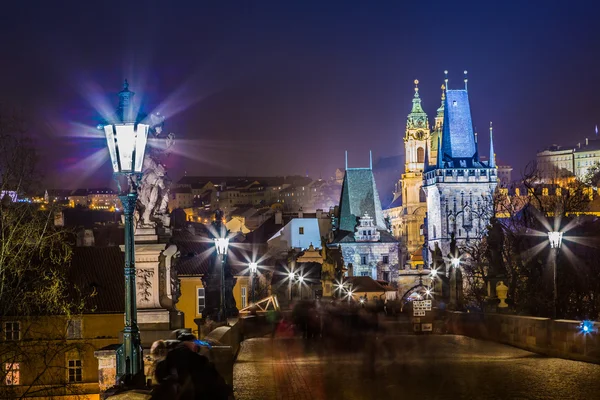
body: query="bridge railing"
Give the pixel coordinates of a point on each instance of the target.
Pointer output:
(557, 338)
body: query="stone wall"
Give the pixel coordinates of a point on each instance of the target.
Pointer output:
(556, 338)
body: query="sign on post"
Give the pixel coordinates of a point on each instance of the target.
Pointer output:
(419, 307)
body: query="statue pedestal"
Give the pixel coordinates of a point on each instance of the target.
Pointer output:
(157, 287)
(146, 235)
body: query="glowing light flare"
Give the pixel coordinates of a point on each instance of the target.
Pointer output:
(586, 327)
(221, 244)
(434, 273)
(126, 146)
(253, 267)
(455, 262)
(555, 239)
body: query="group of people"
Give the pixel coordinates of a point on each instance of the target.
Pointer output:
(183, 370)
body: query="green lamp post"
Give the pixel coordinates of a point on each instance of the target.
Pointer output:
(126, 139)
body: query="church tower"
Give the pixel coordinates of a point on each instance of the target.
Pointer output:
(459, 186)
(416, 148)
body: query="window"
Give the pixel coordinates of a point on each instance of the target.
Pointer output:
(386, 276)
(244, 296)
(13, 373)
(364, 273)
(201, 300)
(75, 371)
(74, 329)
(12, 330)
(420, 155)
(386, 259)
(301, 230)
(363, 259)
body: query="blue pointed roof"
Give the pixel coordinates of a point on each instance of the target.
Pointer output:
(458, 141)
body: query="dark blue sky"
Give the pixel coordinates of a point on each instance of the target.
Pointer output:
(284, 87)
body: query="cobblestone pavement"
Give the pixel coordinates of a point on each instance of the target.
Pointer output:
(407, 367)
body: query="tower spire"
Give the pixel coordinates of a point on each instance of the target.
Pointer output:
(492, 155)
(476, 156)
(446, 78)
(466, 79)
(346, 159)
(416, 107)
(370, 159)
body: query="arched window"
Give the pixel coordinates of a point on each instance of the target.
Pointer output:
(468, 217)
(420, 155)
(422, 196)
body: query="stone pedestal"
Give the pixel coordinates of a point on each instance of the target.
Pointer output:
(157, 286)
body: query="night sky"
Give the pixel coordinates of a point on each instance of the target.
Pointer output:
(284, 87)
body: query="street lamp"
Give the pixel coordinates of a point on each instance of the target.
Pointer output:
(222, 244)
(300, 282)
(555, 239)
(291, 276)
(455, 262)
(253, 269)
(126, 139)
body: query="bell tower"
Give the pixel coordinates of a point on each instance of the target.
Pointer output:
(416, 147)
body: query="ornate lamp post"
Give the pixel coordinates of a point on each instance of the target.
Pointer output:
(555, 239)
(253, 269)
(222, 244)
(126, 139)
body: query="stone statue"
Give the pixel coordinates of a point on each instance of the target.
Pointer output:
(155, 184)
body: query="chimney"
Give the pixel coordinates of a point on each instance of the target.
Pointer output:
(319, 213)
(300, 213)
(278, 217)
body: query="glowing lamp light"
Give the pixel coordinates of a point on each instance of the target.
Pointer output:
(455, 262)
(428, 292)
(586, 327)
(434, 273)
(301, 278)
(555, 239)
(362, 301)
(291, 276)
(253, 267)
(221, 244)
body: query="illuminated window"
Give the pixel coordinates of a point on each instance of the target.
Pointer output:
(12, 330)
(13, 374)
(363, 259)
(74, 329)
(244, 297)
(301, 230)
(75, 371)
(386, 259)
(201, 300)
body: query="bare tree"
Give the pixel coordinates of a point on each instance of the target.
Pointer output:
(36, 302)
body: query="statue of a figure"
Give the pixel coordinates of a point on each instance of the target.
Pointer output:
(155, 184)
(495, 241)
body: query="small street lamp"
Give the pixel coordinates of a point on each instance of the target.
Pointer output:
(300, 282)
(291, 276)
(253, 269)
(455, 262)
(126, 139)
(222, 244)
(555, 239)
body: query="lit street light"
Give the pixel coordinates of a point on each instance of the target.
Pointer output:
(300, 282)
(555, 239)
(455, 262)
(222, 244)
(253, 268)
(291, 276)
(126, 139)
